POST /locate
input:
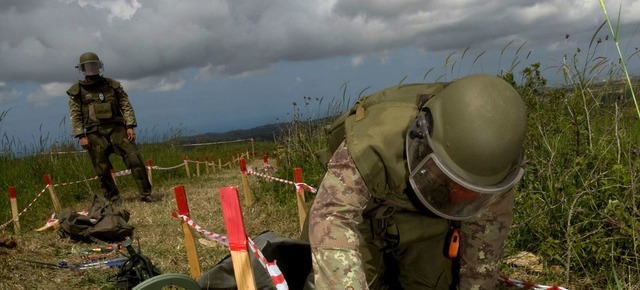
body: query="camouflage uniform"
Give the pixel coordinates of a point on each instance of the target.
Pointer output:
(359, 241)
(101, 111)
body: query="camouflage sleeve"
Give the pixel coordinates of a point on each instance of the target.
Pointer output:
(75, 116)
(482, 241)
(333, 219)
(126, 108)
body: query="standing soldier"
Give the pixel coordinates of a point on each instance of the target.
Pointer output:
(103, 120)
(419, 195)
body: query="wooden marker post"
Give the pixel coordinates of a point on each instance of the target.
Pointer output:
(248, 198)
(197, 166)
(229, 162)
(237, 238)
(219, 163)
(149, 172)
(52, 192)
(302, 210)
(253, 149)
(186, 166)
(206, 164)
(189, 241)
(14, 209)
(264, 160)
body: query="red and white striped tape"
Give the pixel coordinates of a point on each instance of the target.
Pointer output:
(274, 272)
(212, 236)
(26, 208)
(527, 285)
(304, 185)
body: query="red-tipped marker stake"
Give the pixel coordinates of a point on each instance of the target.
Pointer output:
(186, 165)
(52, 193)
(189, 241)
(302, 209)
(150, 171)
(248, 197)
(14, 209)
(237, 238)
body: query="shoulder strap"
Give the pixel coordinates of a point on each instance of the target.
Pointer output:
(74, 90)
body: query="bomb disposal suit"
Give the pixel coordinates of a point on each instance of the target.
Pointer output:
(422, 169)
(100, 111)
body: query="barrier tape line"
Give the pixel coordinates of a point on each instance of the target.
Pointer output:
(214, 143)
(26, 208)
(527, 285)
(274, 272)
(304, 185)
(120, 173)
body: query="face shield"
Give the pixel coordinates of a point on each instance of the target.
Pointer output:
(91, 68)
(439, 188)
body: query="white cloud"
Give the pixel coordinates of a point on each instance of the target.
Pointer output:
(8, 94)
(166, 85)
(123, 9)
(47, 93)
(357, 61)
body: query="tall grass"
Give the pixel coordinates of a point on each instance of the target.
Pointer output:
(576, 207)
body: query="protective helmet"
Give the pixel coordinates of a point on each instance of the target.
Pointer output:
(90, 64)
(465, 149)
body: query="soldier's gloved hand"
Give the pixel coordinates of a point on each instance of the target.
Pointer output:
(84, 142)
(131, 134)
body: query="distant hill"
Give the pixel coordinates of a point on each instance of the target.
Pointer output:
(269, 132)
(265, 132)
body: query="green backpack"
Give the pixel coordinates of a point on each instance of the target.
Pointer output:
(374, 130)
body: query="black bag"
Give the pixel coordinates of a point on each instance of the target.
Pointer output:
(293, 258)
(104, 222)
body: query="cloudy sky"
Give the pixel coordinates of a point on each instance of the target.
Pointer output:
(217, 65)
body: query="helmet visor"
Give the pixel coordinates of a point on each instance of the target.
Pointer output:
(90, 68)
(443, 191)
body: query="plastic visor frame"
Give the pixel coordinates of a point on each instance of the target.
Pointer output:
(432, 185)
(94, 64)
(512, 178)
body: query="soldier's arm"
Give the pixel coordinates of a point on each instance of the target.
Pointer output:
(482, 241)
(334, 216)
(126, 108)
(75, 116)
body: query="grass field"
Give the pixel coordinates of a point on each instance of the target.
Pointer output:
(158, 233)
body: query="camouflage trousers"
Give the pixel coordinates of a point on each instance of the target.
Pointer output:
(107, 139)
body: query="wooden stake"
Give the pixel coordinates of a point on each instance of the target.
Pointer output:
(189, 241)
(14, 209)
(302, 210)
(237, 238)
(52, 192)
(197, 167)
(248, 197)
(206, 164)
(253, 149)
(149, 172)
(186, 166)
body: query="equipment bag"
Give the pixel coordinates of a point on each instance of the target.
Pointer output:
(293, 258)
(105, 222)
